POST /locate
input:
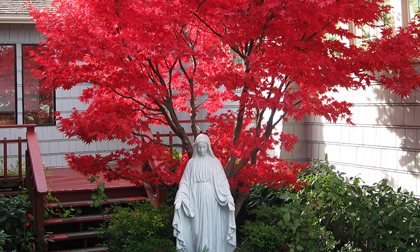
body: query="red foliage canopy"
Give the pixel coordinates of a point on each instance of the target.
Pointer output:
(149, 60)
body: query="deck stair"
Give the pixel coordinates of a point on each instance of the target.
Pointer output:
(71, 191)
(62, 189)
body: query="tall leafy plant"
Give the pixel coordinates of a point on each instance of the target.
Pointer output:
(16, 223)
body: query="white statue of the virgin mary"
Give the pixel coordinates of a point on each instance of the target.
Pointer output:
(204, 208)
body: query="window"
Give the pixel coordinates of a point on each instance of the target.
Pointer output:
(7, 84)
(401, 15)
(38, 101)
(409, 8)
(414, 7)
(23, 96)
(368, 32)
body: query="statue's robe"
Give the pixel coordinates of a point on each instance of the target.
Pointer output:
(204, 208)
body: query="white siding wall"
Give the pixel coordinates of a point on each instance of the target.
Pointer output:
(53, 144)
(384, 143)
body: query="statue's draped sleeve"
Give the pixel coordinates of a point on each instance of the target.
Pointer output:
(184, 197)
(221, 187)
(183, 207)
(224, 198)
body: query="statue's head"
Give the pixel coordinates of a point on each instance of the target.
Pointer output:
(202, 146)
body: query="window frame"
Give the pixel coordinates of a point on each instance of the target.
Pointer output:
(15, 81)
(23, 91)
(405, 12)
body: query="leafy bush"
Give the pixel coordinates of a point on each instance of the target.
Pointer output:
(333, 212)
(16, 223)
(140, 227)
(4, 239)
(289, 226)
(373, 218)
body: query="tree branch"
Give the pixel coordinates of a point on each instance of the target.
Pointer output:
(193, 109)
(208, 26)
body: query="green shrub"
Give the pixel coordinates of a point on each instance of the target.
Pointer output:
(140, 227)
(16, 223)
(373, 218)
(333, 210)
(289, 226)
(4, 239)
(150, 244)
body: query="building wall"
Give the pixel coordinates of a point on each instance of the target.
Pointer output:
(53, 144)
(384, 143)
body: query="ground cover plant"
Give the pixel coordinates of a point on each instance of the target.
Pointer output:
(154, 62)
(332, 213)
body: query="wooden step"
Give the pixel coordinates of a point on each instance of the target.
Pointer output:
(81, 203)
(11, 187)
(94, 249)
(77, 219)
(7, 193)
(86, 194)
(73, 235)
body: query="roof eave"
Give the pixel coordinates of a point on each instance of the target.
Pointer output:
(16, 19)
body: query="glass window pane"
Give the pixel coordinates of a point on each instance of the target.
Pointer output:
(7, 85)
(414, 7)
(370, 33)
(38, 101)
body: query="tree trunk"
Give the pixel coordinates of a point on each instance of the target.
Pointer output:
(239, 202)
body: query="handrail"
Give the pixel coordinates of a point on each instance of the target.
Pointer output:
(36, 183)
(30, 127)
(36, 161)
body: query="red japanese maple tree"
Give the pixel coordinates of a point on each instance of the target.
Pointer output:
(149, 60)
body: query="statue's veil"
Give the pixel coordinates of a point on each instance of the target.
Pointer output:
(203, 138)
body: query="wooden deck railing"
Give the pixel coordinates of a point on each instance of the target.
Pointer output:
(33, 176)
(7, 163)
(171, 136)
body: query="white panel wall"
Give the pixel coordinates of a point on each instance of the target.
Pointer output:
(384, 143)
(53, 144)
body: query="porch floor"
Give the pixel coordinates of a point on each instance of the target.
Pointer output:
(65, 179)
